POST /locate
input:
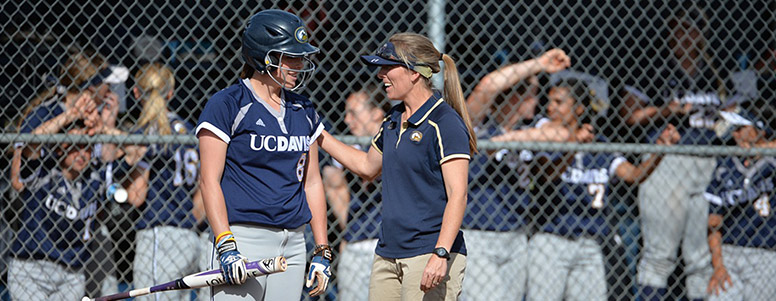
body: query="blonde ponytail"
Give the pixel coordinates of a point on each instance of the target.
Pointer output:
(454, 98)
(155, 82)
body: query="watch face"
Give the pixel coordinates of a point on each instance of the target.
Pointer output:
(441, 252)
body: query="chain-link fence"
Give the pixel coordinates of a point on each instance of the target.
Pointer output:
(567, 202)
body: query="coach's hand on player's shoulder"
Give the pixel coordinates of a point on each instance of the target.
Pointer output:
(320, 270)
(718, 280)
(232, 262)
(434, 273)
(554, 60)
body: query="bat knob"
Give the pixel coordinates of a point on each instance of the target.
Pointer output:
(282, 263)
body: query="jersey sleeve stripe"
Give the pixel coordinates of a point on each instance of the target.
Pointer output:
(239, 117)
(455, 156)
(716, 200)
(214, 130)
(317, 133)
(615, 164)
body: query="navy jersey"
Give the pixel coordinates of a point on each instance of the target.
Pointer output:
(576, 203)
(173, 178)
(744, 196)
(364, 208)
(414, 195)
(58, 214)
(499, 184)
(267, 154)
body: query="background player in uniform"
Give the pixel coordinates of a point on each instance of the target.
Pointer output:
(423, 152)
(165, 240)
(356, 202)
(566, 260)
(742, 225)
(671, 204)
(62, 195)
(260, 178)
(496, 238)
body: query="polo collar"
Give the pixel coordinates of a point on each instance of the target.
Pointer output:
(422, 113)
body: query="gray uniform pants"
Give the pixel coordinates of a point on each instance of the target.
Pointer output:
(257, 242)
(753, 272)
(561, 268)
(353, 275)
(163, 254)
(497, 266)
(44, 280)
(673, 210)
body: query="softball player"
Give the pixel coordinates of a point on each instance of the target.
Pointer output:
(495, 218)
(565, 258)
(422, 149)
(671, 204)
(165, 230)
(260, 179)
(359, 201)
(741, 220)
(61, 199)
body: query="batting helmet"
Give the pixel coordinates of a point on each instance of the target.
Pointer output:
(276, 32)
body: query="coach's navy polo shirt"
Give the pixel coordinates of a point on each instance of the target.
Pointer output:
(414, 196)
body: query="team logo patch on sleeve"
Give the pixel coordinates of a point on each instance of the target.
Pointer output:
(415, 136)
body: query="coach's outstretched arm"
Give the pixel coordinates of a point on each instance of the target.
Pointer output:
(365, 164)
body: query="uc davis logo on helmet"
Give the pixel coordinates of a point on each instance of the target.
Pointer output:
(301, 35)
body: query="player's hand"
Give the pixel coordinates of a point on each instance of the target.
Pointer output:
(669, 136)
(434, 273)
(79, 107)
(232, 262)
(320, 270)
(110, 109)
(677, 108)
(584, 134)
(554, 60)
(718, 280)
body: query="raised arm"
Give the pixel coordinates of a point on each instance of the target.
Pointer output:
(365, 164)
(497, 81)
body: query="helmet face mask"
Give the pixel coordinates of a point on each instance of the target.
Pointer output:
(274, 61)
(272, 35)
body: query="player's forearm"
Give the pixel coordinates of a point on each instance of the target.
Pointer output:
(645, 169)
(317, 204)
(53, 125)
(215, 205)
(715, 247)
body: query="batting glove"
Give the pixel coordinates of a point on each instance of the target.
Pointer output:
(232, 262)
(320, 269)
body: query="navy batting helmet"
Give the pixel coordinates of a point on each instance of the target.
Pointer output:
(272, 34)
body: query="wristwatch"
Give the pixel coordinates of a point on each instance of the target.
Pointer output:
(442, 252)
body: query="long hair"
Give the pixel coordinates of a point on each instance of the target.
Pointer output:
(155, 82)
(81, 65)
(411, 47)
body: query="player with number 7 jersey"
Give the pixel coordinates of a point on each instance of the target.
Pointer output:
(565, 256)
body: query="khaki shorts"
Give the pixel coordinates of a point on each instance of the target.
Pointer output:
(399, 279)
